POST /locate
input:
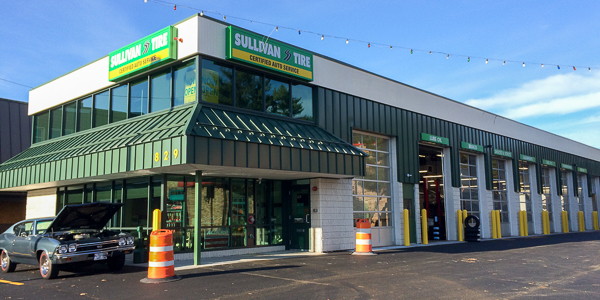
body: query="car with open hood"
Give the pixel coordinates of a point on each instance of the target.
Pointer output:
(75, 235)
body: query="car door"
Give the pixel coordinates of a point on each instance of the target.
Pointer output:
(23, 243)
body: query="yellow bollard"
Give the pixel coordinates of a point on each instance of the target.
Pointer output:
(464, 213)
(494, 236)
(595, 218)
(498, 222)
(565, 221)
(459, 225)
(526, 231)
(543, 222)
(406, 229)
(156, 220)
(424, 226)
(547, 223)
(521, 226)
(581, 221)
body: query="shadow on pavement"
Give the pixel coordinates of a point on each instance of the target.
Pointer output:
(504, 244)
(235, 271)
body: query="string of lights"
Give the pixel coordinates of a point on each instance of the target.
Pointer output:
(369, 44)
(15, 83)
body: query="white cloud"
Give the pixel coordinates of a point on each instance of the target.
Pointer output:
(559, 94)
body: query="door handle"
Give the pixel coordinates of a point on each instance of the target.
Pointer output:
(306, 219)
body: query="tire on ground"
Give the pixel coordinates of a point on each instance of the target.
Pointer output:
(6, 263)
(48, 270)
(116, 263)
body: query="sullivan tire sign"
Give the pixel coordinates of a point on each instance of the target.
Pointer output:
(149, 52)
(261, 51)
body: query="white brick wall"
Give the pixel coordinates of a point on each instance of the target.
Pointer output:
(41, 203)
(573, 205)
(485, 199)
(556, 208)
(331, 216)
(536, 200)
(513, 201)
(587, 203)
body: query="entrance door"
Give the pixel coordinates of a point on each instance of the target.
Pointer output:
(431, 190)
(299, 215)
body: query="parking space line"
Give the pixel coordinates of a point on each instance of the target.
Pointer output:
(11, 282)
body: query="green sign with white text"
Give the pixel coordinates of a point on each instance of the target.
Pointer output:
(260, 51)
(149, 52)
(473, 147)
(502, 153)
(548, 163)
(567, 167)
(527, 158)
(435, 139)
(581, 170)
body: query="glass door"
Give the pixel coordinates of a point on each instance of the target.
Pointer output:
(299, 215)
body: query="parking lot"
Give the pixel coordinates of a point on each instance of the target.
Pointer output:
(559, 266)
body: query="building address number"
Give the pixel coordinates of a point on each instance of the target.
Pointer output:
(166, 155)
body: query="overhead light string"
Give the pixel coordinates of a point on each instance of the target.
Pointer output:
(203, 12)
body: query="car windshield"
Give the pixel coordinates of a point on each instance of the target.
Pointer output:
(42, 226)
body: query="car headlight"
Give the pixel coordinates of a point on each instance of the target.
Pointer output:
(129, 240)
(62, 249)
(72, 247)
(122, 242)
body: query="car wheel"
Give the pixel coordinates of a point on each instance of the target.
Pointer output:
(7, 265)
(48, 270)
(116, 263)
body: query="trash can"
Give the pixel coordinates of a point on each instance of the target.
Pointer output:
(140, 254)
(472, 229)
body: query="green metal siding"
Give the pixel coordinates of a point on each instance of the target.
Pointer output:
(406, 126)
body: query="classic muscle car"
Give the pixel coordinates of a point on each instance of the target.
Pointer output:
(75, 235)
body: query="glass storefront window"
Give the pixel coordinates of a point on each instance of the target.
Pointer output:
(70, 116)
(372, 192)
(525, 192)
(74, 195)
(215, 202)
(217, 83)
(135, 208)
(469, 194)
(41, 127)
(499, 191)
(564, 198)
(248, 90)
(184, 84)
(101, 109)
(277, 97)
(138, 102)
(118, 102)
(103, 191)
(85, 114)
(56, 122)
(161, 91)
(302, 102)
(118, 198)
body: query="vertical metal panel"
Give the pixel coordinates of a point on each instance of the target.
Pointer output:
(101, 163)
(344, 116)
(314, 161)
(72, 164)
(201, 150)
(321, 113)
(167, 153)
(335, 103)
(241, 153)
(123, 157)
(139, 157)
(305, 157)
(252, 155)
(264, 161)
(5, 129)
(351, 117)
(176, 149)
(215, 152)
(115, 161)
(339, 163)
(157, 154)
(357, 112)
(286, 158)
(275, 157)
(296, 163)
(331, 163)
(363, 114)
(328, 110)
(228, 153)
(94, 165)
(15, 124)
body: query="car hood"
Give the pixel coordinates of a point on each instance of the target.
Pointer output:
(84, 216)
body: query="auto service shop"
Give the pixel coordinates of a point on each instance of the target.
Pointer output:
(251, 145)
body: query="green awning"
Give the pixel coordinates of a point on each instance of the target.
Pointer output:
(239, 138)
(188, 134)
(150, 141)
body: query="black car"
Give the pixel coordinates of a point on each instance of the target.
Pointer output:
(75, 235)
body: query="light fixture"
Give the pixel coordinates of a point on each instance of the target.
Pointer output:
(322, 37)
(447, 56)
(590, 69)
(542, 65)
(346, 41)
(390, 47)
(429, 52)
(486, 61)
(523, 64)
(224, 17)
(202, 13)
(276, 28)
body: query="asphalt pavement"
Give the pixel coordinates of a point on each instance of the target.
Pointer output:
(559, 266)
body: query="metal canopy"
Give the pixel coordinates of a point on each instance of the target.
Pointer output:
(239, 138)
(144, 142)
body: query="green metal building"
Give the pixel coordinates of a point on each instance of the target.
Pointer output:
(248, 145)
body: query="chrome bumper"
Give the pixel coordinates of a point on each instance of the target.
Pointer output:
(64, 258)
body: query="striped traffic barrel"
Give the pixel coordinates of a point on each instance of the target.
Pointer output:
(363, 238)
(161, 267)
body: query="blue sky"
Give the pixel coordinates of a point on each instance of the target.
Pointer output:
(41, 40)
